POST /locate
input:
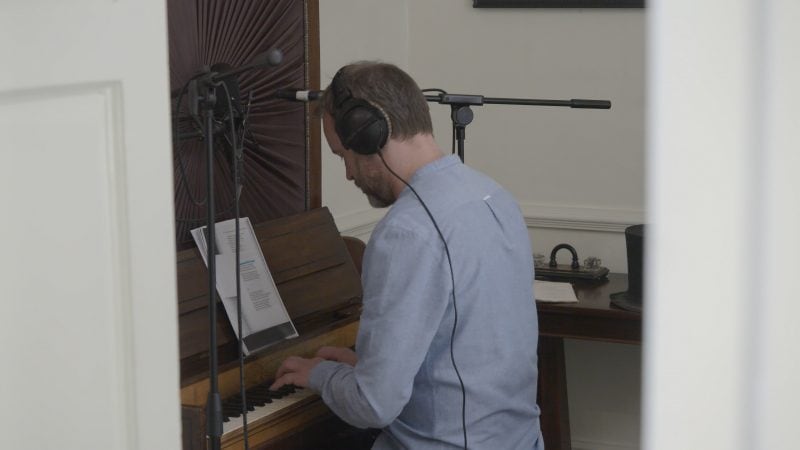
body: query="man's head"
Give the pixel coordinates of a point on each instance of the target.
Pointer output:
(366, 106)
(367, 172)
(392, 92)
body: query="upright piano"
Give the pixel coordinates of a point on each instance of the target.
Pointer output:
(317, 275)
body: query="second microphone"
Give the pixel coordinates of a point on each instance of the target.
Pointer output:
(298, 95)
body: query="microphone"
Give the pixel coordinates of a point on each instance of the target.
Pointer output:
(211, 79)
(298, 95)
(271, 58)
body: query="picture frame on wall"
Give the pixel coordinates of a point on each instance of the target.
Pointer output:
(558, 3)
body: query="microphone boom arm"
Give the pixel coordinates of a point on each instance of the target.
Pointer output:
(479, 100)
(461, 114)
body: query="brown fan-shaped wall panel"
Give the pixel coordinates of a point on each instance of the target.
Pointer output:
(280, 168)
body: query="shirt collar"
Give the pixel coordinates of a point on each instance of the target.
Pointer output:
(434, 166)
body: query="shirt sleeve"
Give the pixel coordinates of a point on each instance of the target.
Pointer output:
(407, 286)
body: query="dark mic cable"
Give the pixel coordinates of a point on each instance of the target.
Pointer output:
(178, 153)
(246, 116)
(455, 307)
(236, 157)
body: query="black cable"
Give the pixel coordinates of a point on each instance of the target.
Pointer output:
(181, 166)
(236, 159)
(246, 117)
(455, 307)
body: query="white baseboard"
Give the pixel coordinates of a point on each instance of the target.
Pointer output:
(361, 223)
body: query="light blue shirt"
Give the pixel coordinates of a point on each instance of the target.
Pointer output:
(404, 381)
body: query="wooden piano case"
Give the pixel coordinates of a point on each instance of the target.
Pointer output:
(321, 288)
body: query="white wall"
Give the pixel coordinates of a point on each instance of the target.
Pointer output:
(353, 30)
(578, 174)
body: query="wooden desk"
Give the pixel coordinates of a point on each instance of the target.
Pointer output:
(591, 318)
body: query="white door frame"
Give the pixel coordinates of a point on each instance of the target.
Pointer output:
(721, 350)
(88, 332)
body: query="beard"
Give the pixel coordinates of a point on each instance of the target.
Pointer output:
(376, 202)
(379, 194)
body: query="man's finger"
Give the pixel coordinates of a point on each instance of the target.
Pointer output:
(327, 352)
(288, 365)
(282, 381)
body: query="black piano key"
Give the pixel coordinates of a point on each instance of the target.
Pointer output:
(258, 401)
(232, 403)
(275, 394)
(231, 412)
(254, 402)
(232, 407)
(258, 389)
(256, 396)
(250, 405)
(259, 394)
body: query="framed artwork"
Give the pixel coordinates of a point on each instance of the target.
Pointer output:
(558, 3)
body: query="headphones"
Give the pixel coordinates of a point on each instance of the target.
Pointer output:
(361, 125)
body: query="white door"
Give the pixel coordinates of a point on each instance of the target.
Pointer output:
(88, 329)
(721, 325)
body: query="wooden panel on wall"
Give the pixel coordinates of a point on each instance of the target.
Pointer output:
(279, 169)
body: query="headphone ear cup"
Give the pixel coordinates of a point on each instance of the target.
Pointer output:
(361, 126)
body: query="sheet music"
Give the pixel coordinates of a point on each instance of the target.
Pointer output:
(262, 307)
(555, 292)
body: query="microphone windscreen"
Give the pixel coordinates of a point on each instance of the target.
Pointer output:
(271, 58)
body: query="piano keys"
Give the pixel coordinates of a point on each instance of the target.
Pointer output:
(320, 285)
(262, 402)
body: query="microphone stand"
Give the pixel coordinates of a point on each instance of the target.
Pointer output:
(461, 114)
(202, 96)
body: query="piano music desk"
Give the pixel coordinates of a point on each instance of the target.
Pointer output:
(592, 318)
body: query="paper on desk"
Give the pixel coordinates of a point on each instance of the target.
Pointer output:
(554, 292)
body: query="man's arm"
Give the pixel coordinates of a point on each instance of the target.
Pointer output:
(406, 293)
(340, 354)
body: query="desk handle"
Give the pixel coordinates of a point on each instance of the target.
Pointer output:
(571, 249)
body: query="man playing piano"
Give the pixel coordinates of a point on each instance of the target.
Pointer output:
(446, 350)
